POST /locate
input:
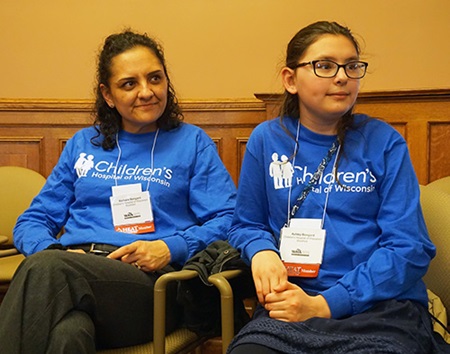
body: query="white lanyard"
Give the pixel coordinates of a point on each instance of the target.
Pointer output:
(151, 158)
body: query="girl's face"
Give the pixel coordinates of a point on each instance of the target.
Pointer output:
(323, 101)
(137, 88)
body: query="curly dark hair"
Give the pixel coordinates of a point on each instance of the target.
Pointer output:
(296, 48)
(107, 120)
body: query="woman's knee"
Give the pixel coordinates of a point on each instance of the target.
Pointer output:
(75, 333)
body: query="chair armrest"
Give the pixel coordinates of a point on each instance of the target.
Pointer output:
(220, 280)
(6, 249)
(159, 312)
(8, 252)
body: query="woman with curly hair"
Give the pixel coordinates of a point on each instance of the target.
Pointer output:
(137, 195)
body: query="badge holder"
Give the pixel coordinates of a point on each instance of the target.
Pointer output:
(301, 247)
(131, 209)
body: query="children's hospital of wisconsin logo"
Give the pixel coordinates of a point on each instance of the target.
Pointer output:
(282, 171)
(84, 163)
(85, 166)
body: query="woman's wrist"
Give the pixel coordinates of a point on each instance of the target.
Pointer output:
(323, 310)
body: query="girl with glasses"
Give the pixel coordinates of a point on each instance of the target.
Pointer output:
(338, 252)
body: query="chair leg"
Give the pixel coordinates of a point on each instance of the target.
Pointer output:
(159, 321)
(227, 306)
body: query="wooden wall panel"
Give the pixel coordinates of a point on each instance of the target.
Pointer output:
(34, 132)
(439, 162)
(241, 144)
(225, 121)
(24, 151)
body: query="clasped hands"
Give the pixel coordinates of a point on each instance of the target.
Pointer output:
(284, 300)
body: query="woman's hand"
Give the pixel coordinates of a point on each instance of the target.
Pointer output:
(145, 255)
(294, 305)
(269, 274)
(76, 251)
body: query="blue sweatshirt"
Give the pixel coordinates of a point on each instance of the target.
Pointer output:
(377, 246)
(192, 194)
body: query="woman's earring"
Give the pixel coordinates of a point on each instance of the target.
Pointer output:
(111, 105)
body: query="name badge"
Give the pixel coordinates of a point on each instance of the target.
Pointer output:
(131, 209)
(301, 247)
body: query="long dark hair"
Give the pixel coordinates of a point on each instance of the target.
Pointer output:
(107, 120)
(296, 48)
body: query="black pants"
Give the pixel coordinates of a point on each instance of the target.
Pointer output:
(400, 327)
(74, 303)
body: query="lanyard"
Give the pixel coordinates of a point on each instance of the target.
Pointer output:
(313, 180)
(120, 155)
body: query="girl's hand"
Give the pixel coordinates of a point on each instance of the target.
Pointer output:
(269, 274)
(293, 305)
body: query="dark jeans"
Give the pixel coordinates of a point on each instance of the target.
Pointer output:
(60, 299)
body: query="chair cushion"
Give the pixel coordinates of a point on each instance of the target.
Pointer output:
(436, 209)
(175, 342)
(441, 183)
(8, 266)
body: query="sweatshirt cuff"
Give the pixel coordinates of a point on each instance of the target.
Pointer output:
(28, 251)
(338, 301)
(254, 247)
(178, 249)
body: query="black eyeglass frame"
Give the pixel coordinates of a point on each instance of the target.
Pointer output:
(338, 66)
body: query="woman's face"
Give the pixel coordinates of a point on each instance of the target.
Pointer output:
(323, 101)
(137, 88)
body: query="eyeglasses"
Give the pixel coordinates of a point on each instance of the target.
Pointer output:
(329, 68)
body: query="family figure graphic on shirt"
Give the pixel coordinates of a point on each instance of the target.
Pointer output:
(282, 171)
(84, 164)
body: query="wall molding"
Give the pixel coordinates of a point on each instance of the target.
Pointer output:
(400, 95)
(85, 105)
